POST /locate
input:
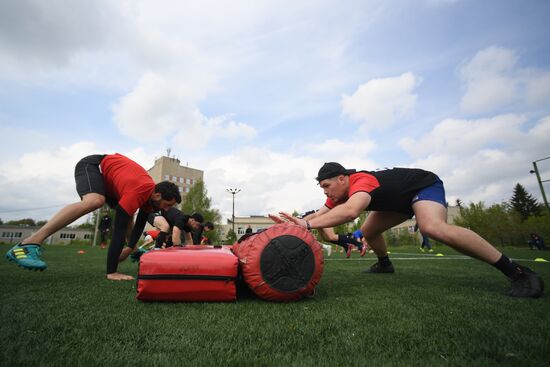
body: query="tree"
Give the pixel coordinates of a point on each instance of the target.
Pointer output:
(22, 222)
(86, 225)
(197, 200)
(231, 237)
(523, 203)
(498, 224)
(1, 222)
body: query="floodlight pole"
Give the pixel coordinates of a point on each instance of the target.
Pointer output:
(98, 212)
(536, 171)
(233, 192)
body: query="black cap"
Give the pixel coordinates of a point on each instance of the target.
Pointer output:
(332, 169)
(198, 217)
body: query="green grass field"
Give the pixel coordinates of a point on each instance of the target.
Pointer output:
(447, 311)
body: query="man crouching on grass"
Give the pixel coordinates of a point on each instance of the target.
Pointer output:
(113, 179)
(394, 195)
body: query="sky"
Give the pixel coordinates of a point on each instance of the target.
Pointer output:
(259, 94)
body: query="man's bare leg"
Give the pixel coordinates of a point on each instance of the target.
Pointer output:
(66, 216)
(432, 221)
(375, 225)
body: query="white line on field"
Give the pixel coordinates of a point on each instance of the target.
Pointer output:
(407, 258)
(448, 257)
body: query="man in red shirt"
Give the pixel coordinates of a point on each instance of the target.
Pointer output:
(394, 195)
(113, 179)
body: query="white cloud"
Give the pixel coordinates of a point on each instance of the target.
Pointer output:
(162, 106)
(488, 80)
(46, 164)
(269, 182)
(454, 136)
(380, 102)
(352, 153)
(538, 89)
(156, 107)
(200, 130)
(481, 159)
(37, 38)
(41, 179)
(273, 181)
(44, 180)
(493, 80)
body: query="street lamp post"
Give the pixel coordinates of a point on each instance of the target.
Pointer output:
(233, 192)
(536, 171)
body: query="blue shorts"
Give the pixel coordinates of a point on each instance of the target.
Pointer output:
(435, 192)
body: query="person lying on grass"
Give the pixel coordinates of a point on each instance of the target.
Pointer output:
(393, 196)
(346, 241)
(198, 235)
(150, 238)
(113, 179)
(175, 228)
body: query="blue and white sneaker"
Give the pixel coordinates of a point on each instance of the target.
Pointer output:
(27, 256)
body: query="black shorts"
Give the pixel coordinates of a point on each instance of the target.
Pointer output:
(152, 216)
(88, 177)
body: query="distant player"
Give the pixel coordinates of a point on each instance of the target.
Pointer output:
(347, 242)
(358, 235)
(150, 238)
(174, 223)
(198, 234)
(104, 229)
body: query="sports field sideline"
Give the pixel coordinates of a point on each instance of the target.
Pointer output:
(449, 310)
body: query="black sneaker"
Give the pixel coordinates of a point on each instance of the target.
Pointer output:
(526, 283)
(379, 268)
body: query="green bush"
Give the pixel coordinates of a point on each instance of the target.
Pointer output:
(501, 225)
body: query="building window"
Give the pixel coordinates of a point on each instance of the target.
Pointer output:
(188, 181)
(87, 236)
(166, 177)
(187, 189)
(181, 180)
(12, 234)
(240, 231)
(67, 235)
(174, 178)
(180, 189)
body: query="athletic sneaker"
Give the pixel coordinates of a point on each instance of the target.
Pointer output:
(526, 283)
(379, 268)
(27, 256)
(136, 255)
(363, 250)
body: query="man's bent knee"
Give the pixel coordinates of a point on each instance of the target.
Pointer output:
(93, 201)
(437, 231)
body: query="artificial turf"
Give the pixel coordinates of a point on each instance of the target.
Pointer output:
(448, 310)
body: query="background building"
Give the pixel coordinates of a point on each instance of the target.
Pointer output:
(168, 168)
(15, 233)
(256, 222)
